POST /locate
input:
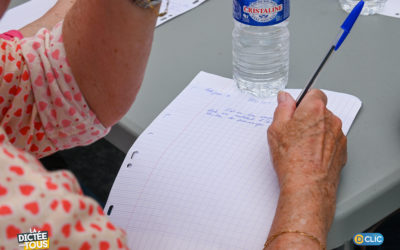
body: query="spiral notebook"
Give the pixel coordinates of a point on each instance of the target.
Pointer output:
(200, 176)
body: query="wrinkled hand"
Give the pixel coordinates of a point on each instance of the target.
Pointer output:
(308, 150)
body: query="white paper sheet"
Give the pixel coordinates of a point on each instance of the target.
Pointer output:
(176, 8)
(28, 12)
(392, 8)
(200, 176)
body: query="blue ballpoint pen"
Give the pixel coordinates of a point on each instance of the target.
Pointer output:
(345, 30)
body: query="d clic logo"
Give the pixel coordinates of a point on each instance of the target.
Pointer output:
(368, 239)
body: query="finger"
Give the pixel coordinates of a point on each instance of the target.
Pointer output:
(343, 142)
(340, 157)
(335, 122)
(286, 107)
(314, 95)
(313, 106)
(339, 139)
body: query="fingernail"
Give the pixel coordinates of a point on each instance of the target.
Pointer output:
(281, 97)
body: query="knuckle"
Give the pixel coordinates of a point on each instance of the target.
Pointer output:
(273, 131)
(319, 94)
(344, 143)
(344, 160)
(315, 91)
(337, 123)
(334, 122)
(277, 111)
(270, 130)
(318, 107)
(323, 96)
(344, 149)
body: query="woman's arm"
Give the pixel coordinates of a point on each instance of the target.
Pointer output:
(48, 20)
(101, 54)
(308, 150)
(108, 44)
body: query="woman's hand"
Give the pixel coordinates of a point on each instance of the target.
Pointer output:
(307, 144)
(308, 151)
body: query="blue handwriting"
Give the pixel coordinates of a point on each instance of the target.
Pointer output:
(237, 116)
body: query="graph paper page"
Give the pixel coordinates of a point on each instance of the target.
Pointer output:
(200, 176)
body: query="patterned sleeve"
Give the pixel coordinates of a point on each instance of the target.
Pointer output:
(33, 198)
(42, 109)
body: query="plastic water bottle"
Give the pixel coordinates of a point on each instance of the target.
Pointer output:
(370, 7)
(260, 42)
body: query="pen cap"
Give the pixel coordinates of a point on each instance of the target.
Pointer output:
(349, 22)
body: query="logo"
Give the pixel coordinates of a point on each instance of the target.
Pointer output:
(358, 239)
(34, 240)
(263, 11)
(368, 239)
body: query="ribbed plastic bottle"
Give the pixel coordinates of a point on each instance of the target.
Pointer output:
(371, 7)
(260, 44)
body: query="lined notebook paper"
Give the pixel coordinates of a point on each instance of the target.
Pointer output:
(200, 176)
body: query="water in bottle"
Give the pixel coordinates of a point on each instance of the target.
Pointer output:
(370, 7)
(260, 41)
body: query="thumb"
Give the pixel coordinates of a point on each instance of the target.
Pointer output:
(286, 107)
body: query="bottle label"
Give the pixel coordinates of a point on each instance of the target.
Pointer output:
(261, 12)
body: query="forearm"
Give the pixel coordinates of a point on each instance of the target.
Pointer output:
(108, 44)
(304, 210)
(48, 20)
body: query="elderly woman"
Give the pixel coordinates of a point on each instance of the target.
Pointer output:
(66, 84)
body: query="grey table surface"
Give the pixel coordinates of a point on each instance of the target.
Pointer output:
(15, 3)
(366, 66)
